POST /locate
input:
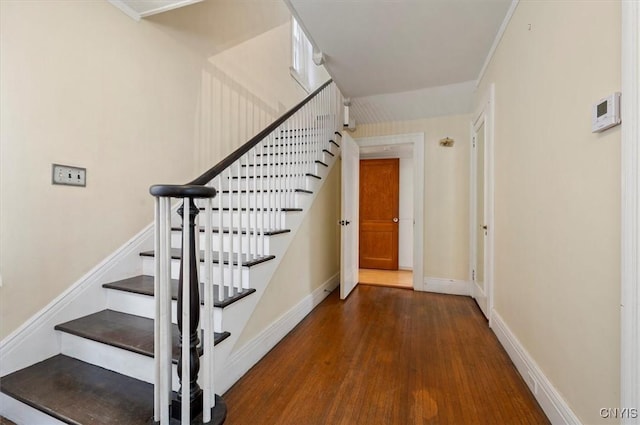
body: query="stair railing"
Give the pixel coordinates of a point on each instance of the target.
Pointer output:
(255, 185)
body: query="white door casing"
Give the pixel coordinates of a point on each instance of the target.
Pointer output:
(349, 215)
(482, 222)
(417, 142)
(630, 270)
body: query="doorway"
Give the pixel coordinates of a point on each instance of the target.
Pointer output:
(408, 149)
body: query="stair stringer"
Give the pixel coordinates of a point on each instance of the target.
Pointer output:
(227, 368)
(36, 340)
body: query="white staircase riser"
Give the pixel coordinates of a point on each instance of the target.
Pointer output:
(261, 200)
(239, 274)
(144, 306)
(269, 169)
(271, 219)
(248, 244)
(290, 157)
(297, 178)
(125, 362)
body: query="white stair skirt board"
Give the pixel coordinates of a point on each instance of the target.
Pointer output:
(554, 406)
(22, 413)
(447, 286)
(251, 353)
(35, 340)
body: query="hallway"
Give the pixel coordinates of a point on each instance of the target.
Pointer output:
(383, 357)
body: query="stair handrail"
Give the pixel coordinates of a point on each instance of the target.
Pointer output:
(208, 175)
(302, 149)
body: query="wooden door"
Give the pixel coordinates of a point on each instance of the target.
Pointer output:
(379, 208)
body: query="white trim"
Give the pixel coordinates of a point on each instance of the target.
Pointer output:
(552, 403)
(630, 231)
(485, 114)
(35, 340)
(417, 140)
(129, 11)
(496, 41)
(251, 353)
(447, 286)
(169, 7)
(120, 4)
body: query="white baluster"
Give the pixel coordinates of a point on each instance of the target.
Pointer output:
(238, 228)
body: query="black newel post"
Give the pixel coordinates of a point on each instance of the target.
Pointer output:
(195, 393)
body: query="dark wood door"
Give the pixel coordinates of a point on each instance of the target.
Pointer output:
(379, 205)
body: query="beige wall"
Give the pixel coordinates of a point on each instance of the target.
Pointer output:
(557, 196)
(446, 190)
(83, 84)
(311, 259)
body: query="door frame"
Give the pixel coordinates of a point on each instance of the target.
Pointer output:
(630, 225)
(484, 114)
(417, 142)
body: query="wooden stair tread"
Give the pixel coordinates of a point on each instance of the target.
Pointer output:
(235, 231)
(266, 164)
(176, 255)
(216, 209)
(291, 153)
(272, 176)
(265, 191)
(79, 393)
(122, 330)
(144, 285)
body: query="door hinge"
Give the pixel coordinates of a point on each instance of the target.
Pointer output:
(474, 141)
(473, 275)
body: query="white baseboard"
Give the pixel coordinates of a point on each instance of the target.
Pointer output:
(247, 356)
(36, 339)
(447, 286)
(554, 406)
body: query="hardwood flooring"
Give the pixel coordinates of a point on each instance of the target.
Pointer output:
(386, 357)
(391, 278)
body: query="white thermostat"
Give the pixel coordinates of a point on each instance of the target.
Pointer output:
(605, 113)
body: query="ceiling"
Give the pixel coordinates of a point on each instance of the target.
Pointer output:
(402, 59)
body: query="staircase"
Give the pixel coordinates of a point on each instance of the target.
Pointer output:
(124, 363)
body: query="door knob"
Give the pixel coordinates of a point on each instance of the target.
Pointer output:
(395, 219)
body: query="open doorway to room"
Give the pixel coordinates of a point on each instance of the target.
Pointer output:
(386, 216)
(390, 249)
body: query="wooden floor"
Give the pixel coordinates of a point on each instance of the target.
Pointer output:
(386, 356)
(390, 278)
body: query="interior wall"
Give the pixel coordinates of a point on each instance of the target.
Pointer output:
(446, 195)
(83, 84)
(311, 260)
(557, 196)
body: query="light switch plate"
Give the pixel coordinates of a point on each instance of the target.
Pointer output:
(68, 175)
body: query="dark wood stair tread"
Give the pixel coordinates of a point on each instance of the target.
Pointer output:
(126, 331)
(266, 191)
(216, 209)
(272, 176)
(144, 285)
(266, 164)
(291, 153)
(246, 262)
(79, 393)
(334, 142)
(244, 231)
